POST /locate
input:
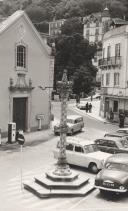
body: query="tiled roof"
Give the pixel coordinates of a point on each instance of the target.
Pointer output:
(119, 21)
(11, 19)
(6, 23)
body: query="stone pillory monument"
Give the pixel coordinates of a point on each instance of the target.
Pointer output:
(61, 181)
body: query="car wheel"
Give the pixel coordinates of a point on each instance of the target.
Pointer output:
(93, 168)
(81, 129)
(72, 132)
(103, 192)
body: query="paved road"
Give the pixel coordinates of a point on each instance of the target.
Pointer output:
(38, 158)
(93, 127)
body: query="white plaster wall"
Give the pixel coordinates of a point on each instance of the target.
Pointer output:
(38, 71)
(112, 40)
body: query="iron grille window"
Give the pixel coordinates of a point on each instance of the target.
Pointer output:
(117, 50)
(108, 52)
(107, 79)
(97, 31)
(102, 79)
(96, 38)
(115, 106)
(103, 53)
(21, 56)
(116, 79)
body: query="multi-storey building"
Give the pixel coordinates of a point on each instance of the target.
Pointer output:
(95, 25)
(114, 73)
(55, 27)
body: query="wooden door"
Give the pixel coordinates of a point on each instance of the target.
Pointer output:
(19, 113)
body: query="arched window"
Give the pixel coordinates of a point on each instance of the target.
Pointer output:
(21, 56)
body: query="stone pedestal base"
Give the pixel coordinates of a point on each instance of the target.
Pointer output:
(51, 185)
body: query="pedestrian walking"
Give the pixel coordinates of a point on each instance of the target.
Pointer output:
(121, 119)
(90, 107)
(77, 100)
(111, 115)
(86, 107)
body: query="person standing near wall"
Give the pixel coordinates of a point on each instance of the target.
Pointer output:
(90, 107)
(86, 107)
(121, 119)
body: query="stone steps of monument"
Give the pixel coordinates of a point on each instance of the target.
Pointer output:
(50, 184)
(52, 176)
(43, 192)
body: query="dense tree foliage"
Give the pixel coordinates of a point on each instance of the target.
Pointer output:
(74, 53)
(45, 10)
(71, 26)
(64, 8)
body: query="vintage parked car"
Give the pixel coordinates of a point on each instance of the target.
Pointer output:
(83, 153)
(81, 106)
(114, 176)
(112, 144)
(121, 132)
(75, 123)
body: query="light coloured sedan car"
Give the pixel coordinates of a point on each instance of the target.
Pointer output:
(123, 130)
(83, 153)
(75, 124)
(81, 106)
(114, 176)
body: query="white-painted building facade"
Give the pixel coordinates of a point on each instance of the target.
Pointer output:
(25, 66)
(114, 73)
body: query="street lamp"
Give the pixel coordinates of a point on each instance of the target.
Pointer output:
(64, 87)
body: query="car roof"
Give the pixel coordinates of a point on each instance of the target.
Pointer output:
(122, 129)
(118, 158)
(116, 134)
(73, 116)
(79, 141)
(110, 138)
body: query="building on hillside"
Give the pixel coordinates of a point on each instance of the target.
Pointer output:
(117, 22)
(26, 75)
(114, 73)
(95, 25)
(45, 37)
(55, 27)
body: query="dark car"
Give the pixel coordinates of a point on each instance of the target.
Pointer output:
(113, 144)
(114, 175)
(122, 132)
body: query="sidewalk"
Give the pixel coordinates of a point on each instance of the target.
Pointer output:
(37, 137)
(32, 138)
(95, 110)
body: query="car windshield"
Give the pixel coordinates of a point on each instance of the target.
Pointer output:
(70, 121)
(91, 148)
(124, 143)
(118, 166)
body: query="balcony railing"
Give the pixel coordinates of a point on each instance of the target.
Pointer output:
(104, 90)
(111, 61)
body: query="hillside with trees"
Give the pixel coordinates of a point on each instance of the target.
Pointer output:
(74, 53)
(45, 10)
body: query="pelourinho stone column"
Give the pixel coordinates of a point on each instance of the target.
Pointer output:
(64, 88)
